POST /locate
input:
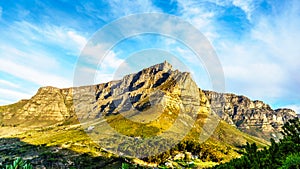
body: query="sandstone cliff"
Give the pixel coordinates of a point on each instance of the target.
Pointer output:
(253, 117)
(151, 95)
(151, 91)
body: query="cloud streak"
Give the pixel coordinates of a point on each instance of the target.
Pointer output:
(8, 84)
(32, 75)
(60, 36)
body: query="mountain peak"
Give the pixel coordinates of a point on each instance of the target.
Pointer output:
(164, 66)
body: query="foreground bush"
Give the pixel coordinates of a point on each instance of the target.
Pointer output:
(283, 154)
(19, 164)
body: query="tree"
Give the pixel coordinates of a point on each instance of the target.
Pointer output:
(283, 154)
(292, 161)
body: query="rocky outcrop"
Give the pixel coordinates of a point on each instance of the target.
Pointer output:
(253, 117)
(151, 91)
(49, 105)
(157, 87)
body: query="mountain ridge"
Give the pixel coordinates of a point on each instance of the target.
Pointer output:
(137, 92)
(155, 106)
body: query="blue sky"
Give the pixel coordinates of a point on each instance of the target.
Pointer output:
(256, 42)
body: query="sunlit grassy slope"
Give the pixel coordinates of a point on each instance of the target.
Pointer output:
(223, 145)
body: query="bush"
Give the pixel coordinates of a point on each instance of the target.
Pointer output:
(19, 164)
(283, 154)
(292, 161)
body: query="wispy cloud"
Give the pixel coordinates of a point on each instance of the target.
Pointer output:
(8, 84)
(36, 55)
(128, 7)
(263, 63)
(12, 95)
(31, 57)
(33, 75)
(5, 102)
(101, 64)
(248, 6)
(63, 37)
(197, 13)
(32, 65)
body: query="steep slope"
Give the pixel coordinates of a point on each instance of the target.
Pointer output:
(253, 117)
(155, 106)
(153, 94)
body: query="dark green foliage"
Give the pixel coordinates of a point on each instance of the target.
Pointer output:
(19, 164)
(126, 165)
(292, 161)
(282, 154)
(291, 131)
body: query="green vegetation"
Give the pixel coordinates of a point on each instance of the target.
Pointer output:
(221, 147)
(282, 154)
(19, 163)
(292, 161)
(68, 140)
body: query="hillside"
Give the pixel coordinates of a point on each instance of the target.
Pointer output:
(139, 116)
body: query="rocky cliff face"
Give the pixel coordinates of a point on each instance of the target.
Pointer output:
(253, 117)
(49, 105)
(154, 89)
(143, 97)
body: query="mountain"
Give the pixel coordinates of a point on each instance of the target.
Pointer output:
(153, 88)
(155, 106)
(253, 117)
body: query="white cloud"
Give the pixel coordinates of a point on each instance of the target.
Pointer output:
(294, 107)
(199, 16)
(128, 7)
(101, 55)
(78, 39)
(111, 61)
(94, 53)
(101, 61)
(103, 78)
(28, 52)
(65, 37)
(281, 37)
(117, 9)
(248, 6)
(251, 79)
(187, 54)
(22, 56)
(31, 57)
(33, 75)
(5, 102)
(62, 37)
(8, 84)
(12, 94)
(264, 64)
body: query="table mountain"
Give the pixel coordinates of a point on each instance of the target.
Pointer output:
(149, 96)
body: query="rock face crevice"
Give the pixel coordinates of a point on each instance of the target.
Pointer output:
(157, 87)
